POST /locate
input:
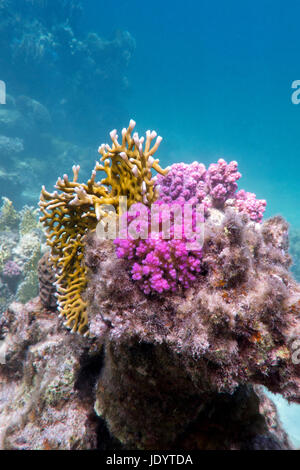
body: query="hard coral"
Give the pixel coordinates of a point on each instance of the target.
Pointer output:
(184, 183)
(28, 288)
(29, 220)
(213, 187)
(247, 202)
(77, 209)
(221, 179)
(163, 261)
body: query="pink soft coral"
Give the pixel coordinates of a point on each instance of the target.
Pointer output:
(159, 264)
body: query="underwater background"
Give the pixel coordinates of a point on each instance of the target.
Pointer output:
(214, 79)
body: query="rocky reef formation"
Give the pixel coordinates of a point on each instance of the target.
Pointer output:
(179, 371)
(234, 327)
(48, 389)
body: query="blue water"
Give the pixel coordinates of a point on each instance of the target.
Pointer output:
(213, 78)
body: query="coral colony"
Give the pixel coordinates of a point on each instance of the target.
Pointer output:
(156, 264)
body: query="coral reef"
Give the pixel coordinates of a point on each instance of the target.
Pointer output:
(28, 220)
(9, 218)
(70, 214)
(10, 146)
(47, 395)
(11, 269)
(221, 179)
(247, 202)
(160, 264)
(28, 288)
(11, 275)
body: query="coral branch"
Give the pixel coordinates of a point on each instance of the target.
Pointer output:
(76, 210)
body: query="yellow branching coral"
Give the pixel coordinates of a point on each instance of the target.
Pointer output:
(69, 214)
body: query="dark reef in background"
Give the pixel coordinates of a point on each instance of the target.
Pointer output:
(62, 84)
(77, 75)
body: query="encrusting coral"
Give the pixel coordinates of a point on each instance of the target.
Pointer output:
(77, 209)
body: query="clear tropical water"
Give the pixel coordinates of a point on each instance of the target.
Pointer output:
(213, 78)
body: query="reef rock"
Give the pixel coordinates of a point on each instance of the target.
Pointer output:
(167, 356)
(48, 386)
(40, 407)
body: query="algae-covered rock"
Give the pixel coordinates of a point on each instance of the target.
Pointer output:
(40, 405)
(48, 394)
(234, 327)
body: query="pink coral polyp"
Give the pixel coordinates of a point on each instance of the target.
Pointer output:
(159, 264)
(211, 187)
(247, 202)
